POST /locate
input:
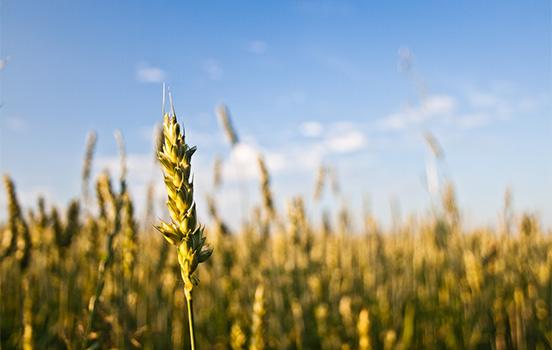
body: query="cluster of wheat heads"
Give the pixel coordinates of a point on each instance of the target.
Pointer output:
(94, 276)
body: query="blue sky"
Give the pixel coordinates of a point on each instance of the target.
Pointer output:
(306, 82)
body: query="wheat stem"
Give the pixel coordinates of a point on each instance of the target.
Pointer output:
(182, 230)
(191, 322)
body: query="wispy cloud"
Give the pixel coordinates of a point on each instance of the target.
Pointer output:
(258, 47)
(499, 102)
(533, 103)
(16, 124)
(441, 106)
(481, 99)
(148, 74)
(345, 137)
(213, 69)
(304, 156)
(471, 108)
(503, 87)
(474, 120)
(322, 140)
(345, 143)
(311, 129)
(244, 161)
(140, 167)
(336, 63)
(294, 97)
(246, 155)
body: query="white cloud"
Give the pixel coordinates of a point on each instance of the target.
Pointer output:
(469, 121)
(478, 108)
(306, 157)
(482, 99)
(140, 167)
(147, 74)
(258, 47)
(213, 69)
(348, 142)
(442, 106)
(274, 161)
(439, 105)
(244, 162)
(311, 129)
(395, 121)
(344, 137)
(16, 124)
(499, 103)
(245, 154)
(322, 140)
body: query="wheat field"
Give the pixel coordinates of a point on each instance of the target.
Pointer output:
(97, 275)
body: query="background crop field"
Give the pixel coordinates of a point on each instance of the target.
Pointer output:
(281, 282)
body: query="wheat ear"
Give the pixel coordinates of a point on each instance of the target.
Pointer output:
(183, 230)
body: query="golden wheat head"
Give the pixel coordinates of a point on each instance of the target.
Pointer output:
(183, 230)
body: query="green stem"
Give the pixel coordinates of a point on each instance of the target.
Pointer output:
(191, 322)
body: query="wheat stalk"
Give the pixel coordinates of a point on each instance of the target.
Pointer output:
(183, 230)
(258, 326)
(226, 124)
(433, 145)
(13, 222)
(268, 204)
(106, 191)
(20, 245)
(237, 337)
(87, 164)
(217, 172)
(319, 182)
(363, 327)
